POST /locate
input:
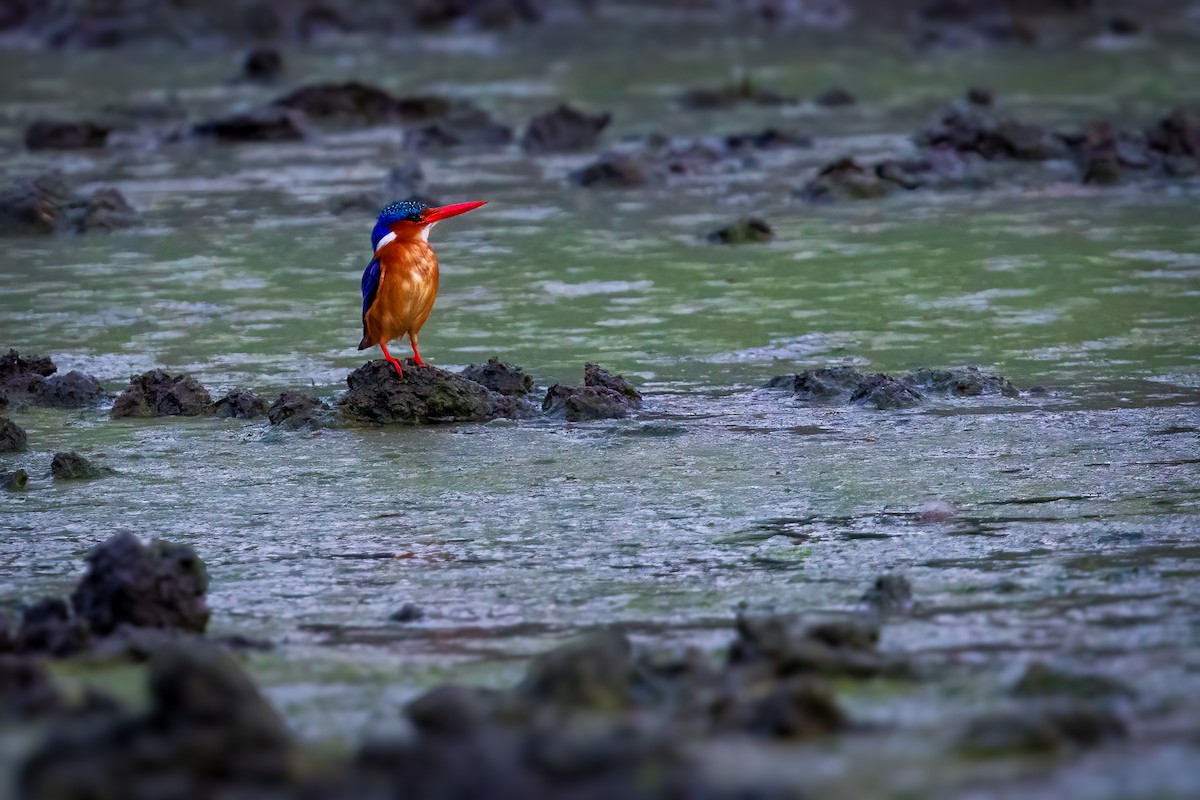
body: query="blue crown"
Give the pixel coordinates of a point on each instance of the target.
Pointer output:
(390, 215)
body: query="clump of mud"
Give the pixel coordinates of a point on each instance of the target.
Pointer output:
(35, 380)
(378, 396)
(602, 396)
(847, 385)
(159, 394)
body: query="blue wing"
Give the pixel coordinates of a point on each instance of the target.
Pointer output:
(370, 287)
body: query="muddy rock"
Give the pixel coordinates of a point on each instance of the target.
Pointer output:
(263, 124)
(835, 97)
(47, 627)
(241, 404)
(563, 130)
(499, 377)
(784, 646)
(884, 392)
(596, 672)
(108, 210)
(26, 689)
(72, 390)
(889, 594)
(616, 171)
(482, 14)
(262, 65)
(845, 179)
(160, 585)
(408, 612)
(53, 134)
(14, 481)
(602, 396)
(23, 375)
(13, 438)
(207, 733)
(297, 410)
(825, 385)
(378, 396)
(960, 382)
(797, 707)
(975, 130)
(462, 127)
(35, 381)
(766, 139)
(159, 394)
(1177, 137)
(744, 231)
(74, 467)
(42, 204)
(1047, 730)
(980, 96)
(358, 103)
(744, 92)
(1044, 680)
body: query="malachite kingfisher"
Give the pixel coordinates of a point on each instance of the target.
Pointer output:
(401, 282)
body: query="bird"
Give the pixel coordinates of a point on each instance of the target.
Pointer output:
(400, 283)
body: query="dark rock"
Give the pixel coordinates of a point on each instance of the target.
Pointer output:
(359, 103)
(972, 130)
(890, 594)
(743, 92)
(409, 612)
(960, 382)
(767, 139)
(448, 710)
(160, 585)
(1041, 731)
(377, 395)
(500, 377)
(979, 96)
(484, 14)
(786, 646)
(563, 130)
(844, 179)
(792, 708)
(595, 672)
(262, 65)
(14, 481)
(42, 204)
(1043, 680)
(825, 385)
(262, 124)
(13, 438)
(108, 210)
(297, 410)
(603, 396)
(750, 230)
(158, 394)
(616, 171)
(241, 404)
(74, 467)
(1123, 26)
(73, 390)
(884, 392)
(594, 375)
(26, 690)
(48, 628)
(207, 733)
(835, 97)
(462, 127)
(50, 134)
(1177, 135)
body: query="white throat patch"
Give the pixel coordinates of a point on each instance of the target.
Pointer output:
(425, 231)
(385, 241)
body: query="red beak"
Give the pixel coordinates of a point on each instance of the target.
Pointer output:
(445, 212)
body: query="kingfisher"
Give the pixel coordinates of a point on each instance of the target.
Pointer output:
(401, 282)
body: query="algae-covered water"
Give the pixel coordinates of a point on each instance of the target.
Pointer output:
(1064, 523)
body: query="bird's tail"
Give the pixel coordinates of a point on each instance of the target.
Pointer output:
(364, 344)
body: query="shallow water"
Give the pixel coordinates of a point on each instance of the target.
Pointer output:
(1075, 512)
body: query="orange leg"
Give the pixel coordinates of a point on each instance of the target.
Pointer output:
(416, 356)
(388, 356)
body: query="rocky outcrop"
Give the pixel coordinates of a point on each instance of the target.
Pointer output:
(159, 394)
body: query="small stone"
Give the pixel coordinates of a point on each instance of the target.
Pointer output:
(241, 404)
(408, 612)
(835, 97)
(884, 392)
(14, 481)
(563, 130)
(615, 171)
(49, 134)
(296, 410)
(500, 377)
(74, 467)
(750, 230)
(262, 65)
(13, 438)
(159, 394)
(264, 124)
(890, 594)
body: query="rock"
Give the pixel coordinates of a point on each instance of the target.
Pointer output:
(484, 14)
(743, 92)
(297, 410)
(48, 628)
(378, 396)
(241, 404)
(979, 96)
(603, 396)
(462, 127)
(835, 97)
(14, 481)
(563, 130)
(42, 204)
(786, 646)
(262, 65)
(890, 594)
(160, 585)
(26, 690)
(405, 180)
(1177, 134)
(826, 385)
(766, 139)
(1041, 731)
(13, 438)
(744, 231)
(51, 134)
(973, 130)
(884, 392)
(1123, 26)
(74, 467)
(1043, 680)
(594, 672)
(262, 124)
(158, 394)
(409, 612)
(959, 382)
(34, 381)
(793, 708)
(499, 377)
(108, 210)
(207, 733)
(615, 171)
(844, 179)
(448, 710)
(358, 103)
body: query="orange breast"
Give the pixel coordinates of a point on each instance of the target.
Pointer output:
(408, 285)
